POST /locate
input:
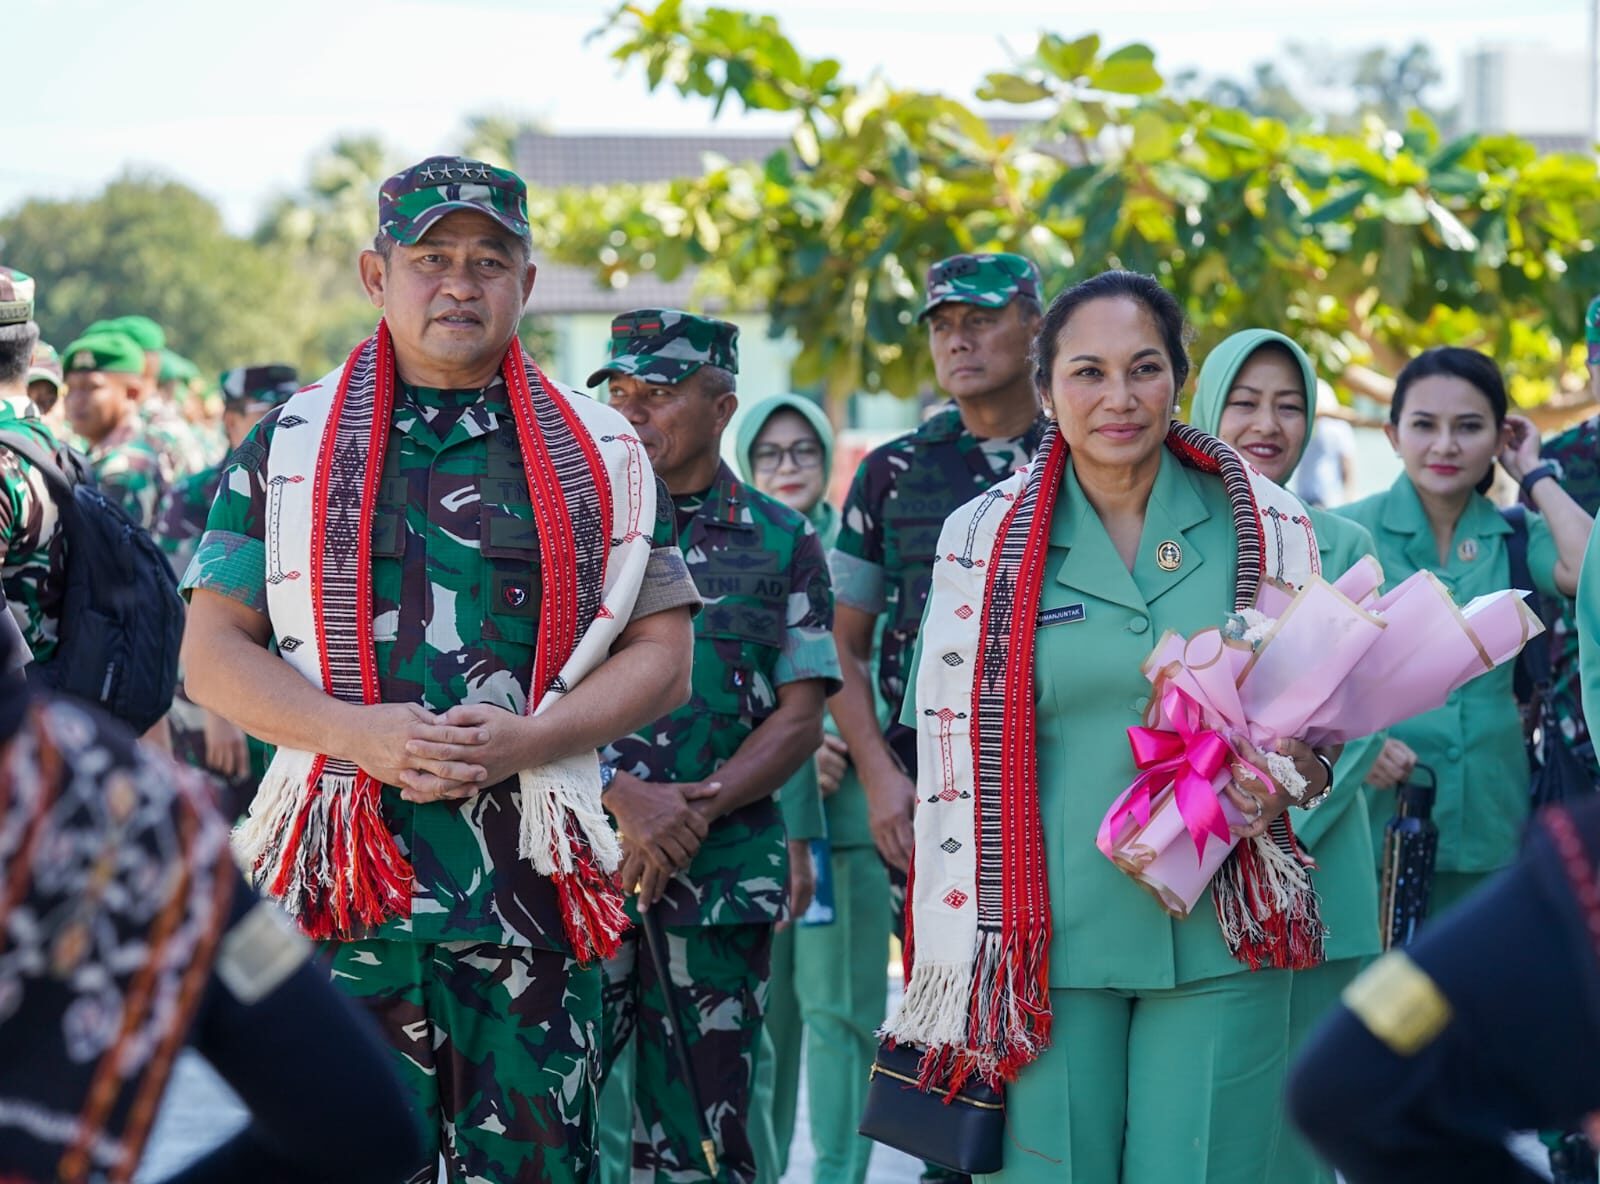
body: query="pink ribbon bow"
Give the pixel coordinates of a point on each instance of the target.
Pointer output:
(1186, 758)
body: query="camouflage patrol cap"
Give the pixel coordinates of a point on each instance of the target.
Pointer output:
(114, 353)
(667, 345)
(263, 386)
(45, 365)
(990, 281)
(413, 200)
(1591, 331)
(16, 297)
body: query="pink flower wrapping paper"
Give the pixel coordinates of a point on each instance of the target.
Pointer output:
(1327, 664)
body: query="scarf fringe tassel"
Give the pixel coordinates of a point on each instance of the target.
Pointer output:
(325, 851)
(567, 836)
(1267, 908)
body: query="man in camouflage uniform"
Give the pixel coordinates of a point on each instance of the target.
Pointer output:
(494, 1022)
(46, 385)
(763, 664)
(199, 737)
(104, 379)
(981, 312)
(164, 429)
(32, 544)
(1577, 451)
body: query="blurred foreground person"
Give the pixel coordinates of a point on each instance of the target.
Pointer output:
(126, 931)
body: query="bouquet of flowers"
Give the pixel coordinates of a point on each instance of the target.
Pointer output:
(1325, 664)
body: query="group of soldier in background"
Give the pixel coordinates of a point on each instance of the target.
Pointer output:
(525, 1057)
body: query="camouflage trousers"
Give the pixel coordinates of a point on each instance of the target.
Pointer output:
(719, 977)
(499, 1047)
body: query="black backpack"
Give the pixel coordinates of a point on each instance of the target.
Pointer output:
(121, 616)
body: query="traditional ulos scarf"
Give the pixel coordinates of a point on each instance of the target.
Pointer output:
(978, 935)
(115, 884)
(316, 836)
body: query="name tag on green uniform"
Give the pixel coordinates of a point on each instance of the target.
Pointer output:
(1064, 615)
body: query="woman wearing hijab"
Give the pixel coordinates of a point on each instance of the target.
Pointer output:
(1138, 1047)
(1448, 422)
(126, 931)
(827, 979)
(1258, 392)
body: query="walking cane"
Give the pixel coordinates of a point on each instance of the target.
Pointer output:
(655, 937)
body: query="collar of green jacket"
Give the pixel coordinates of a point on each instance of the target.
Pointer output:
(821, 515)
(1222, 366)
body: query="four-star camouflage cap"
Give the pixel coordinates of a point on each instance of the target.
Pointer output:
(991, 281)
(416, 198)
(16, 296)
(45, 366)
(249, 388)
(1591, 331)
(667, 345)
(115, 353)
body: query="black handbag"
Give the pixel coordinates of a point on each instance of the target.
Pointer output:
(964, 1133)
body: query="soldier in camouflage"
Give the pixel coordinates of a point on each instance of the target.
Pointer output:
(32, 544)
(495, 1024)
(692, 792)
(164, 429)
(199, 737)
(981, 312)
(1577, 451)
(104, 380)
(46, 385)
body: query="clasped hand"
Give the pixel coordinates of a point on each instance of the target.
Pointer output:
(441, 757)
(1261, 801)
(662, 824)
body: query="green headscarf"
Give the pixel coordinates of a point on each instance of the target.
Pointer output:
(824, 517)
(1222, 367)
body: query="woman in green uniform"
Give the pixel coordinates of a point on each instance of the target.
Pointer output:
(828, 981)
(1448, 423)
(1258, 392)
(1143, 1049)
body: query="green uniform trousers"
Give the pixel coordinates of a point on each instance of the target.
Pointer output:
(499, 1046)
(829, 991)
(1175, 1086)
(1313, 994)
(719, 978)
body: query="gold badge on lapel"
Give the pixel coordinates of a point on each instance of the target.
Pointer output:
(1169, 556)
(1467, 550)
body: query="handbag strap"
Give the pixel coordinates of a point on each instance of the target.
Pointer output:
(1575, 861)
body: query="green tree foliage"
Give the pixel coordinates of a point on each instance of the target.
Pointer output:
(1366, 245)
(150, 245)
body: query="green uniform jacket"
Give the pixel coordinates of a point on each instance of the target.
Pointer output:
(1589, 626)
(1474, 742)
(1106, 931)
(33, 547)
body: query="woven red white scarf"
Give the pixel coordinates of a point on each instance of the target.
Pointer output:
(316, 837)
(978, 931)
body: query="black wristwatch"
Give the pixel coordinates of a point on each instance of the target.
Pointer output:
(1315, 800)
(1545, 468)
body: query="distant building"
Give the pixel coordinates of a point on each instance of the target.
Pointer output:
(1533, 91)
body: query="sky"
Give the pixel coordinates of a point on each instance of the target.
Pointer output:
(235, 99)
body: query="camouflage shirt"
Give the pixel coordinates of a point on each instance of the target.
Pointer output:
(181, 450)
(1578, 450)
(181, 516)
(128, 469)
(767, 621)
(452, 532)
(903, 491)
(32, 544)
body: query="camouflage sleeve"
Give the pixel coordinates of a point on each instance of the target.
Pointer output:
(667, 582)
(857, 557)
(14, 493)
(232, 558)
(808, 650)
(28, 520)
